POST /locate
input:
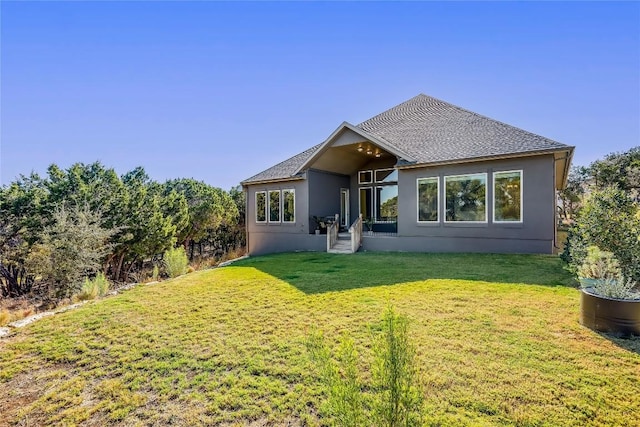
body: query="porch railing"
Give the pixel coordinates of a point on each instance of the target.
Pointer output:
(332, 233)
(356, 234)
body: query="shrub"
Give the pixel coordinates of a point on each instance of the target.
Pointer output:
(92, 288)
(341, 378)
(610, 220)
(5, 317)
(400, 397)
(397, 399)
(175, 262)
(155, 274)
(599, 265)
(619, 288)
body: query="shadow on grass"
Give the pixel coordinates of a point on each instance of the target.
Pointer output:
(629, 343)
(317, 272)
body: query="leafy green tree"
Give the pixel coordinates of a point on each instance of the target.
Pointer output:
(621, 170)
(570, 198)
(70, 249)
(610, 220)
(209, 209)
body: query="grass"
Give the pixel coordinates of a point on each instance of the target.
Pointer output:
(497, 336)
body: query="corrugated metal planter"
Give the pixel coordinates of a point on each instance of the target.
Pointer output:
(616, 316)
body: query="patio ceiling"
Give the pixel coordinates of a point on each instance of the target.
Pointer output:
(350, 158)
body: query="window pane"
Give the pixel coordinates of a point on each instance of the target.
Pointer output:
(428, 199)
(387, 175)
(261, 206)
(365, 203)
(364, 177)
(288, 206)
(387, 203)
(508, 204)
(274, 206)
(466, 197)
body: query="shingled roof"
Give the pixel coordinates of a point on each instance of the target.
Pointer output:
(433, 131)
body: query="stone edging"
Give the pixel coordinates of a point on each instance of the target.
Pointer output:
(7, 330)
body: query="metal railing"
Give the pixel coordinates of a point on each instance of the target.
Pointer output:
(356, 234)
(332, 233)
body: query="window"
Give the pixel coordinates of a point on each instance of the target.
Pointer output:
(365, 177)
(466, 198)
(288, 206)
(261, 206)
(274, 206)
(366, 202)
(386, 175)
(507, 196)
(387, 203)
(428, 189)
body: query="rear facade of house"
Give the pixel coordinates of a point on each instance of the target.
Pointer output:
(424, 176)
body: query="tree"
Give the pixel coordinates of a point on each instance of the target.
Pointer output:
(621, 170)
(610, 220)
(209, 209)
(570, 198)
(69, 250)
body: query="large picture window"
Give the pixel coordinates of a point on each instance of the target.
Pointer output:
(507, 196)
(274, 206)
(428, 189)
(261, 206)
(387, 203)
(466, 198)
(288, 206)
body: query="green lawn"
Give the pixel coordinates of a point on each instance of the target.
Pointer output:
(498, 343)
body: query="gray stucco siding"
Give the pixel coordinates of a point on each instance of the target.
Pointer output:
(324, 188)
(301, 200)
(538, 205)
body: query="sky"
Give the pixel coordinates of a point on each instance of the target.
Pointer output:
(219, 91)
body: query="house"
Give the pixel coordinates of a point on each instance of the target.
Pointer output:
(423, 176)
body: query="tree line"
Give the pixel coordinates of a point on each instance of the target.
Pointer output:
(57, 230)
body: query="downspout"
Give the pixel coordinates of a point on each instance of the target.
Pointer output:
(565, 171)
(245, 190)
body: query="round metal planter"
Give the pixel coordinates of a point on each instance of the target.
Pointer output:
(619, 317)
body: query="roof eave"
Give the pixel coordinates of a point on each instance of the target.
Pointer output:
(298, 177)
(346, 125)
(568, 149)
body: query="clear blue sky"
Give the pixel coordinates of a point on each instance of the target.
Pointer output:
(220, 91)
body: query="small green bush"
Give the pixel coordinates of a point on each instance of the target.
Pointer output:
(155, 274)
(610, 220)
(92, 288)
(175, 262)
(396, 397)
(599, 264)
(619, 288)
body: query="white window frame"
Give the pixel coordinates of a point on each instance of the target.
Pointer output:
(292, 191)
(279, 206)
(493, 183)
(266, 203)
(437, 178)
(486, 197)
(367, 182)
(372, 207)
(375, 178)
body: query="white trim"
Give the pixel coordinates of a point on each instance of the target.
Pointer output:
(365, 182)
(345, 125)
(437, 221)
(375, 179)
(279, 207)
(493, 183)
(265, 206)
(486, 197)
(345, 219)
(292, 191)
